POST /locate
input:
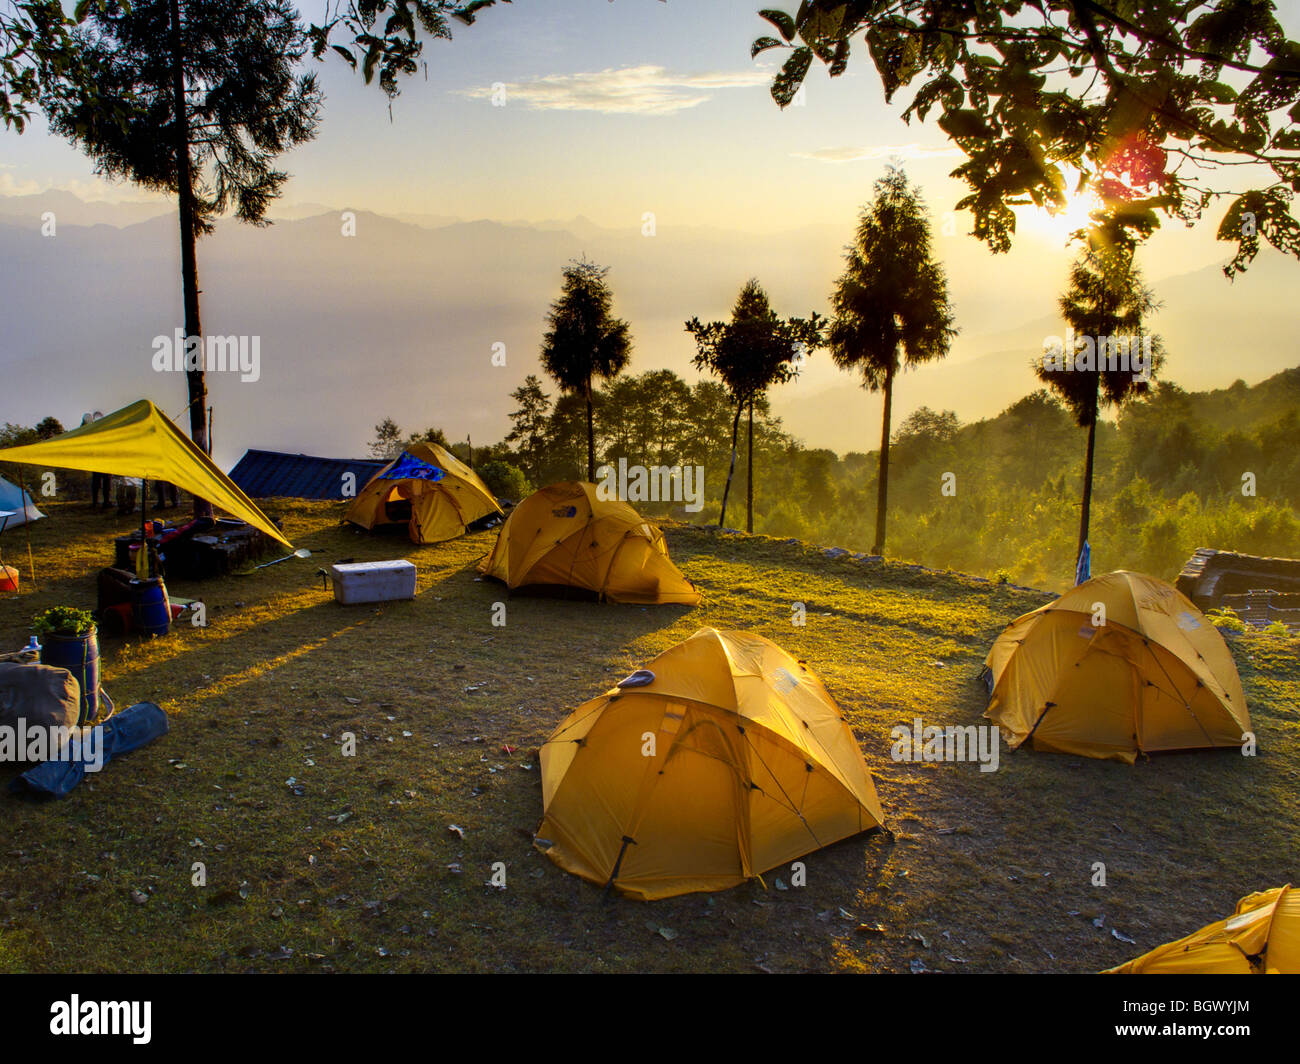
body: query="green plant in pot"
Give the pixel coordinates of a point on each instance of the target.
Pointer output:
(69, 639)
(63, 622)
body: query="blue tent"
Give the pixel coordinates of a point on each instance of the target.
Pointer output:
(13, 498)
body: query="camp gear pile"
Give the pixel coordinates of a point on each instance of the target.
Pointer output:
(92, 748)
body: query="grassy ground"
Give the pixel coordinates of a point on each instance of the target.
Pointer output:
(361, 872)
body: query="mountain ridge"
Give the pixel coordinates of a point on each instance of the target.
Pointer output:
(409, 303)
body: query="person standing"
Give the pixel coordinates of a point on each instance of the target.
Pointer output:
(164, 495)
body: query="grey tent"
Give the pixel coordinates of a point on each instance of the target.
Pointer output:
(15, 500)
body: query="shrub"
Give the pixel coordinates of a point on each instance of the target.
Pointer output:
(785, 519)
(1225, 619)
(506, 481)
(63, 621)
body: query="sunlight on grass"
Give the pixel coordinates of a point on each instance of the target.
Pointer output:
(360, 872)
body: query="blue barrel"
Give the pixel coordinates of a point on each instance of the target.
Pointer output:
(151, 610)
(79, 654)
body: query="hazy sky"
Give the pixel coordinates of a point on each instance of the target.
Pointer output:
(619, 108)
(612, 110)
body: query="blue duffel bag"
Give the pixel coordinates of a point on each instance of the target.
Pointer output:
(129, 730)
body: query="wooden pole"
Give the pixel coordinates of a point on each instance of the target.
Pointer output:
(143, 559)
(27, 525)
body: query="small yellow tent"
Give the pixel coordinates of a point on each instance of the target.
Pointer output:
(1120, 665)
(428, 489)
(566, 535)
(1261, 938)
(724, 758)
(140, 441)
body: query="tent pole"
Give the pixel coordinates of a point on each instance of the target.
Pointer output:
(144, 543)
(618, 863)
(27, 525)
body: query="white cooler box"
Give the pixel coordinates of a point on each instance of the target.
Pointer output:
(358, 582)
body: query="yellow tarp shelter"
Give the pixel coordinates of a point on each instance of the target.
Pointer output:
(722, 759)
(428, 489)
(1119, 666)
(567, 536)
(1261, 938)
(140, 441)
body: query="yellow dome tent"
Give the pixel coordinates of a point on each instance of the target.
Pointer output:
(567, 536)
(1119, 666)
(723, 759)
(428, 489)
(1261, 938)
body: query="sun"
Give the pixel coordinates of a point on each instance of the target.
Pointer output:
(1059, 227)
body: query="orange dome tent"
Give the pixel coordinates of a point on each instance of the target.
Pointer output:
(1119, 666)
(722, 759)
(428, 489)
(566, 536)
(1261, 938)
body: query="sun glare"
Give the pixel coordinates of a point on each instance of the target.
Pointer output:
(1059, 227)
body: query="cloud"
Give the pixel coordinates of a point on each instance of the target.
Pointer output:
(639, 90)
(97, 189)
(877, 151)
(92, 191)
(13, 186)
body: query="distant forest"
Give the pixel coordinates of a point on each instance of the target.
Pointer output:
(1169, 475)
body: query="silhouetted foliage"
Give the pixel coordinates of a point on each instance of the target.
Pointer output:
(584, 342)
(196, 98)
(1132, 101)
(891, 306)
(1106, 306)
(753, 351)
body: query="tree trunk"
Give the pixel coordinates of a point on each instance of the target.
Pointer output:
(1086, 505)
(882, 475)
(591, 438)
(749, 474)
(735, 436)
(194, 377)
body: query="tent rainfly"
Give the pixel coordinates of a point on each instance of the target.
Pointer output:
(723, 758)
(567, 538)
(1119, 666)
(428, 489)
(140, 441)
(1261, 938)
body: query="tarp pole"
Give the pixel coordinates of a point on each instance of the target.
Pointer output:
(27, 525)
(142, 562)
